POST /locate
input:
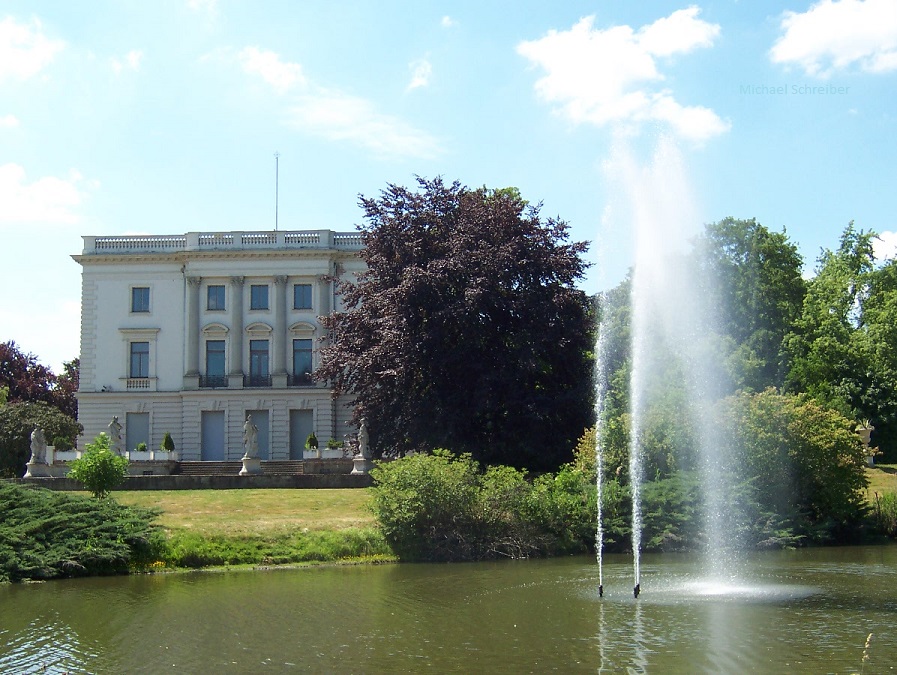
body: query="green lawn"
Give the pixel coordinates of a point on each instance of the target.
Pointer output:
(246, 512)
(882, 478)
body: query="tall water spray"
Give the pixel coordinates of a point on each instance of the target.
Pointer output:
(600, 393)
(669, 323)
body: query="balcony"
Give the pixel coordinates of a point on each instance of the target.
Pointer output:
(256, 381)
(213, 381)
(301, 380)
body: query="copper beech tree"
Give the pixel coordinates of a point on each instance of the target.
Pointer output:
(466, 331)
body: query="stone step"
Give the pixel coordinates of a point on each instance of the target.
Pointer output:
(270, 467)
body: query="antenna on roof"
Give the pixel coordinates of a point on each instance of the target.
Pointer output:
(276, 186)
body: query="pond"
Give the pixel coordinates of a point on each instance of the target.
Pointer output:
(805, 611)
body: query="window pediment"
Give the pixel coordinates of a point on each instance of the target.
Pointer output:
(302, 328)
(215, 330)
(259, 329)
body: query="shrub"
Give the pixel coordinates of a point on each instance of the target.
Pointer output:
(884, 513)
(167, 444)
(803, 459)
(46, 534)
(62, 443)
(98, 468)
(443, 507)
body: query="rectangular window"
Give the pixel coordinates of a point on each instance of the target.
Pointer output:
(215, 298)
(258, 359)
(140, 299)
(139, 360)
(215, 358)
(302, 365)
(258, 297)
(302, 296)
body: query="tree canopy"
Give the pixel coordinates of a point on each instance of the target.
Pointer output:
(29, 380)
(18, 420)
(755, 275)
(466, 330)
(843, 344)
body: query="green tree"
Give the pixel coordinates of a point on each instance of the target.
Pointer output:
(842, 346)
(466, 330)
(804, 460)
(18, 420)
(755, 276)
(98, 468)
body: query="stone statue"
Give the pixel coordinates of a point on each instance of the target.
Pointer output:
(361, 463)
(364, 441)
(115, 442)
(38, 447)
(250, 438)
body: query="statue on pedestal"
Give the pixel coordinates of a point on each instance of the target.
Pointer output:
(250, 438)
(361, 463)
(364, 441)
(38, 447)
(115, 442)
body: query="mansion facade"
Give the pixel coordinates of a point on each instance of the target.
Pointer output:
(189, 334)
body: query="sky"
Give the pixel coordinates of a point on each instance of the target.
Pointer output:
(130, 117)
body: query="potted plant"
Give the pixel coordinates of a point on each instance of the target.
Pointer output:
(167, 445)
(311, 443)
(140, 453)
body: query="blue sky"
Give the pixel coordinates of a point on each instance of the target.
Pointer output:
(163, 117)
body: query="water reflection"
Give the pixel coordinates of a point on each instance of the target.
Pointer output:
(805, 611)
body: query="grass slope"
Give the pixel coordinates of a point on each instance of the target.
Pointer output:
(263, 527)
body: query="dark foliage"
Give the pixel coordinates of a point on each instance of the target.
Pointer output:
(46, 534)
(28, 380)
(466, 331)
(18, 420)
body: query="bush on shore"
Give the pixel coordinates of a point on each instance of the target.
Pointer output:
(46, 535)
(440, 507)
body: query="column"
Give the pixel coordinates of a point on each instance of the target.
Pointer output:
(279, 338)
(325, 292)
(191, 334)
(235, 378)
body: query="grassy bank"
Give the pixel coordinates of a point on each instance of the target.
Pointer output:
(263, 527)
(882, 479)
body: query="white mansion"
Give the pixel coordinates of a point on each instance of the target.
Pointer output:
(189, 334)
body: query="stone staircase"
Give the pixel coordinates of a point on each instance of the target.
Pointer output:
(269, 467)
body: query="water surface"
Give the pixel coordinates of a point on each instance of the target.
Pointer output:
(806, 611)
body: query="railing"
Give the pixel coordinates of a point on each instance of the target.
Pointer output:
(303, 380)
(138, 383)
(256, 380)
(213, 381)
(229, 241)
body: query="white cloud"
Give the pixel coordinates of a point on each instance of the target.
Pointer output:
(46, 200)
(335, 115)
(24, 49)
(131, 61)
(421, 70)
(448, 22)
(885, 247)
(281, 75)
(342, 117)
(833, 36)
(9, 122)
(611, 76)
